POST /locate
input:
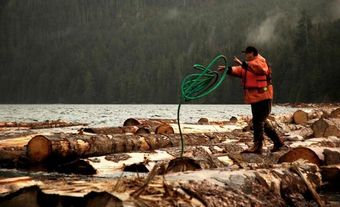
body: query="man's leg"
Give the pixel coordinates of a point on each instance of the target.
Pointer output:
(271, 132)
(259, 111)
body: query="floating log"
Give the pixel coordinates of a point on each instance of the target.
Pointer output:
(326, 127)
(300, 117)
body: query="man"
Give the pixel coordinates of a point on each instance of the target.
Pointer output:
(258, 91)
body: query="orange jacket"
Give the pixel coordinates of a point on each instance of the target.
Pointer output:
(253, 76)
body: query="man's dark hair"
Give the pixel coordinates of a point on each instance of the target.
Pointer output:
(251, 49)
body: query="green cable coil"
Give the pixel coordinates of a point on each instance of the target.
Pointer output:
(198, 85)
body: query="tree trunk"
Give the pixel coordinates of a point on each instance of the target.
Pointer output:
(65, 146)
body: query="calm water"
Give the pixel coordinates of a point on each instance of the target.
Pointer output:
(115, 115)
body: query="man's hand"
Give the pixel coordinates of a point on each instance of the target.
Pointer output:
(221, 68)
(237, 61)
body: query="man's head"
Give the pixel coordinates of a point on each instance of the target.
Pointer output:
(250, 53)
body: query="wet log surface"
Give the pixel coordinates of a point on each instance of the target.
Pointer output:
(115, 166)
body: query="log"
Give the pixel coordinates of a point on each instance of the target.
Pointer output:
(34, 197)
(313, 154)
(300, 134)
(203, 121)
(300, 153)
(331, 157)
(164, 129)
(278, 186)
(326, 127)
(335, 113)
(40, 125)
(331, 174)
(66, 146)
(262, 187)
(300, 117)
(149, 122)
(143, 130)
(309, 186)
(104, 130)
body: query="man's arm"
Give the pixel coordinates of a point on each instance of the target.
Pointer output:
(257, 67)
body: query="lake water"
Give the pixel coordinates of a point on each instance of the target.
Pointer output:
(115, 115)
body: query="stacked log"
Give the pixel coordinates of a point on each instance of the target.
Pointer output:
(282, 185)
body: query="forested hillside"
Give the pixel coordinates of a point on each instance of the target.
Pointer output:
(137, 51)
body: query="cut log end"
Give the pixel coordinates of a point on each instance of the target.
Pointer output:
(143, 130)
(131, 122)
(300, 117)
(300, 153)
(39, 148)
(164, 129)
(182, 164)
(233, 119)
(203, 121)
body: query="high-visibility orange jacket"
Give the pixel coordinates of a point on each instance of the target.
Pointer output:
(255, 79)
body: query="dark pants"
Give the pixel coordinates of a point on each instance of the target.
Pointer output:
(261, 111)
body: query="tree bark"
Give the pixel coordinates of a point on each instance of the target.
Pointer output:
(65, 146)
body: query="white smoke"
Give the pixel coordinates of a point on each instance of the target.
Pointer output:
(265, 32)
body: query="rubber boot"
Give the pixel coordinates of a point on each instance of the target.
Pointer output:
(258, 139)
(272, 134)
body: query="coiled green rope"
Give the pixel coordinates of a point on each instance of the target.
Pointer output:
(198, 85)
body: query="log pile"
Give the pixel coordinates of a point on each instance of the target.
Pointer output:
(139, 164)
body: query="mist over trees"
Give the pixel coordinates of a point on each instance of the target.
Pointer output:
(138, 51)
